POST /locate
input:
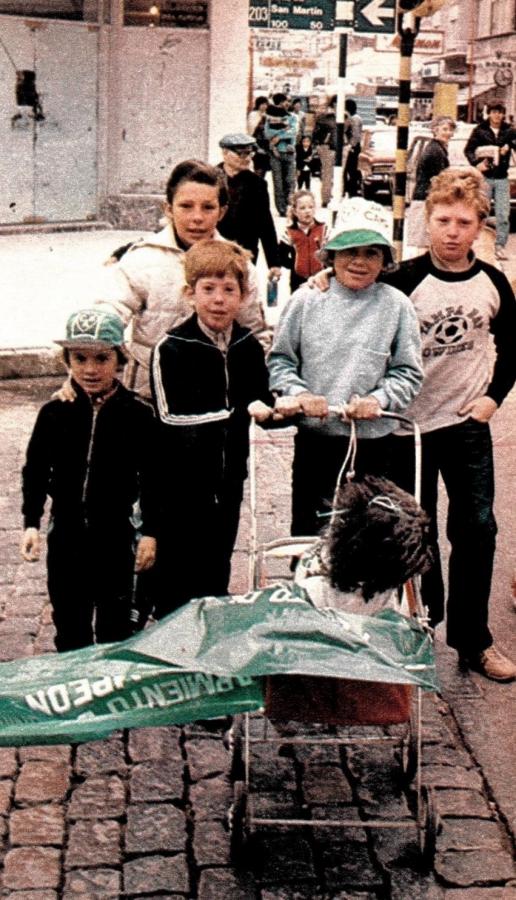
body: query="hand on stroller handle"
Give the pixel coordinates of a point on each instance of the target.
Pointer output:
(315, 406)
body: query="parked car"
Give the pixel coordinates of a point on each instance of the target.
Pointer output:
(376, 160)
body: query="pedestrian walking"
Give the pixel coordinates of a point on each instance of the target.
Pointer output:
(255, 126)
(433, 160)
(354, 127)
(303, 239)
(304, 162)
(489, 150)
(460, 302)
(356, 344)
(247, 218)
(208, 374)
(325, 141)
(95, 457)
(280, 130)
(297, 110)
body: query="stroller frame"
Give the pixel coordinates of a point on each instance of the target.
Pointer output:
(242, 820)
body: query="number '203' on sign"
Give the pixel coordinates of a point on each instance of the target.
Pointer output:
(287, 14)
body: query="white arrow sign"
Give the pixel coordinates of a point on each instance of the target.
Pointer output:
(375, 12)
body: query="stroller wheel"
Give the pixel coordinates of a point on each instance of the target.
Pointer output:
(429, 826)
(233, 742)
(237, 819)
(409, 753)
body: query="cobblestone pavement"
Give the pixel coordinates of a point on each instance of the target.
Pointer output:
(143, 814)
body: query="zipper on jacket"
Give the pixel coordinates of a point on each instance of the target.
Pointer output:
(226, 394)
(95, 412)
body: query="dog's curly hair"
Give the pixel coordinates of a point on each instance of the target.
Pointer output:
(378, 537)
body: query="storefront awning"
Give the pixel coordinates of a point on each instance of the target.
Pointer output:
(477, 90)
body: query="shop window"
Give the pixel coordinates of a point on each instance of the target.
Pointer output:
(483, 19)
(501, 17)
(74, 10)
(167, 13)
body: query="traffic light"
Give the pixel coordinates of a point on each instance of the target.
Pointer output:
(420, 7)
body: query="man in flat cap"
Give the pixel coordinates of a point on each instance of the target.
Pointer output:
(248, 219)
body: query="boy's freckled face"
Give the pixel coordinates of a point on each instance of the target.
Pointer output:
(358, 267)
(94, 370)
(453, 227)
(217, 300)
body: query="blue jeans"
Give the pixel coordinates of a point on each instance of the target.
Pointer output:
(283, 169)
(498, 188)
(463, 455)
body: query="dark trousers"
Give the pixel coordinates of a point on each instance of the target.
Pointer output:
(317, 462)
(303, 179)
(296, 280)
(351, 172)
(283, 168)
(195, 550)
(463, 455)
(90, 583)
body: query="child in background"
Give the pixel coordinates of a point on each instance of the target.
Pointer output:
(302, 240)
(94, 456)
(208, 375)
(304, 160)
(378, 537)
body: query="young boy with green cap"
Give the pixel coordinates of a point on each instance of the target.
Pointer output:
(95, 457)
(357, 345)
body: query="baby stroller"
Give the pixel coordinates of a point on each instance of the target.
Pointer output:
(342, 705)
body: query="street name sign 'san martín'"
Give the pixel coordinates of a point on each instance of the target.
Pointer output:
(311, 15)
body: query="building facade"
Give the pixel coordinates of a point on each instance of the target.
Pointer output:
(99, 99)
(479, 54)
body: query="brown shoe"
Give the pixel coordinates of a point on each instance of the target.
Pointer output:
(492, 664)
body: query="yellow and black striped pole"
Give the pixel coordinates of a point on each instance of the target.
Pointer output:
(408, 27)
(340, 150)
(409, 13)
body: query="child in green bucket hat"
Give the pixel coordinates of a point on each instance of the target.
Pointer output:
(355, 345)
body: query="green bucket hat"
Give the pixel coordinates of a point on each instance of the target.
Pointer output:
(362, 223)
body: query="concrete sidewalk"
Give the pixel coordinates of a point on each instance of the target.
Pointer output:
(44, 277)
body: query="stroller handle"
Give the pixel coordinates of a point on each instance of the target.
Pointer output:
(383, 414)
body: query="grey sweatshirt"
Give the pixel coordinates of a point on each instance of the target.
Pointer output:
(342, 342)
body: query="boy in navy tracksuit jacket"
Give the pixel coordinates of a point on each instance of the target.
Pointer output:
(208, 375)
(95, 457)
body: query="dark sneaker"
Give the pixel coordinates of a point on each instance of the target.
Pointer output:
(492, 664)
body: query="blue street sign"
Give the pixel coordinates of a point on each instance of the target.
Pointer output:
(375, 16)
(311, 15)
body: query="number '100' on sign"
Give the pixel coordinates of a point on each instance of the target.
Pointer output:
(311, 15)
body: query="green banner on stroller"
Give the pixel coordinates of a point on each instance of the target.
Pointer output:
(207, 659)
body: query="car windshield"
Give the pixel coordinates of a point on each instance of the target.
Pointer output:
(384, 140)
